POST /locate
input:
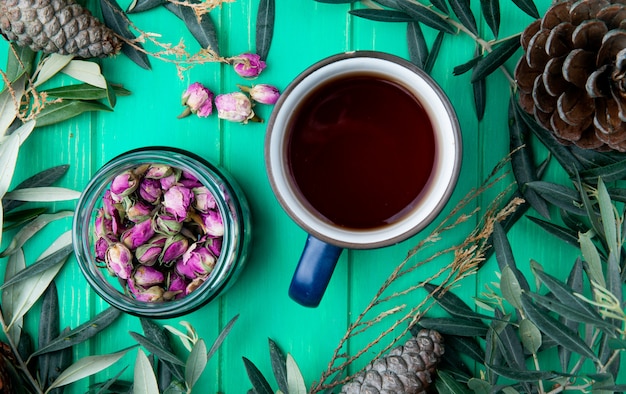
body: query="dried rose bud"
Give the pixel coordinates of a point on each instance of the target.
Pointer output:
(108, 205)
(264, 94)
(203, 199)
(158, 171)
(123, 185)
(176, 201)
(177, 287)
(212, 223)
(189, 180)
(174, 247)
(148, 253)
(139, 211)
(153, 294)
(170, 180)
(101, 249)
(198, 100)
(138, 234)
(248, 65)
(150, 190)
(119, 260)
(214, 245)
(103, 226)
(234, 107)
(194, 284)
(148, 276)
(167, 225)
(196, 261)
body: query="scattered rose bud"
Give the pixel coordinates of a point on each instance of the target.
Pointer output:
(159, 231)
(248, 65)
(262, 93)
(198, 100)
(234, 107)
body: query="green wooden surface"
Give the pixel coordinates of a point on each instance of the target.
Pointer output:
(305, 32)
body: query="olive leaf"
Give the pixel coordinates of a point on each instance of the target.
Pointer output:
(465, 67)
(381, 15)
(81, 333)
(425, 15)
(259, 383)
(455, 326)
(85, 71)
(530, 336)
(48, 330)
(337, 1)
(66, 109)
(561, 196)
(453, 304)
(50, 66)
(295, 381)
(466, 346)
(565, 234)
(203, 29)
(8, 159)
(528, 6)
(491, 13)
(504, 255)
(144, 381)
(157, 336)
(480, 97)
(115, 19)
(496, 58)
(434, 52)
(8, 105)
(20, 61)
(196, 362)
(43, 264)
(10, 296)
(44, 178)
(155, 349)
(441, 5)
(592, 258)
(610, 173)
(143, 5)
(279, 366)
(265, 27)
(510, 346)
(84, 91)
(418, 49)
(447, 384)
(220, 339)
(463, 12)
(521, 376)
(31, 229)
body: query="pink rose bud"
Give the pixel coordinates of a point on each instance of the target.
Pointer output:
(158, 171)
(177, 287)
(119, 260)
(148, 276)
(234, 107)
(194, 284)
(139, 211)
(174, 247)
(153, 294)
(167, 225)
(248, 65)
(213, 224)
(169, 180)
(150, 190)
(103, 226)
(215, 246)
(123, 185)
(203, 199)
(148, 253)
(264, 94)
(137, 235)
(198, 99)
(196, 261)
(176, 201)
(101, 249)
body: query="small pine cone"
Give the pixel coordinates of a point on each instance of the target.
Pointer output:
(407, 369)
(56, 26)
(572, 76)
(9, 378)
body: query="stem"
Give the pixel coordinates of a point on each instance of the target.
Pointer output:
(18, 357)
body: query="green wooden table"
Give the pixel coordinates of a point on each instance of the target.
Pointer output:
(305, 32)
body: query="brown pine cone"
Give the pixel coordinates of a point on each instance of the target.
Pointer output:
(56, 26)
(407, 369)
(572, 74)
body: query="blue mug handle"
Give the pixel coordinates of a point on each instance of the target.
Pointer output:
(316, 266)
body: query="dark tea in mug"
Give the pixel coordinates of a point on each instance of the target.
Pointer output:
(361, 149)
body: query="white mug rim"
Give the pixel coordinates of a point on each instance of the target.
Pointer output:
(448, 145)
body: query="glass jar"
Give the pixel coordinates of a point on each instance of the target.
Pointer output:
(231, 204)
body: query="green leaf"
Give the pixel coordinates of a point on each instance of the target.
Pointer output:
(462, 10)
(86, 366)
(144, 381)
(58, 112)
(157, 335)
(510, 287)
(43, 194)
(8, 159)
(220, 339)
(480, 97)
(44, 178)
(295, 381)
(609, 173)
(20, 61)
(528, 6)
(265, 27)
(31, 229)
(479, 386)
(556, 330)
(441, 5)
(381, 15)
(48, 330)
(279, 366)
(465, 67)
(80, 91)
(418, 49)
(565, 234)
(156, 349)
(110, 385)
(591, 256)
(466, 346)
(81, 333)
(336, 1)
(609, 221)
(115, 19)
(8, 110)
(491, 13)
(10, 297)
(143, 5)
(455, 326)
(259, 383)
(41, 265)
(530, 336)
(447, 384)
(504, 255)
(17, 218)
(196, 363)
(453, 304)
(521, 376)
(51, 66)
(509, 345)
(85, 71)
(420, 13)
(522, 161)
(559, 195)
(434, 52)
(496, 58)
(203, 30)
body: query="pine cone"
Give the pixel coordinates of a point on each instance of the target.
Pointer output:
(9, 379)
(407, 369)
(56, 26)
(572, 74)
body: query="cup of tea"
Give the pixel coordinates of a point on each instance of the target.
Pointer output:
(363, 150)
